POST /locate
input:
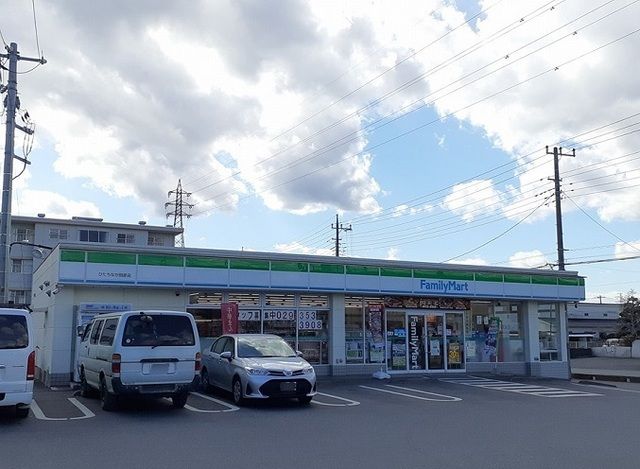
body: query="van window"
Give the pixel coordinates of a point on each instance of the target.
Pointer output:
(97, 327)
(13, 332)
(108, 332)
(157, 330)
(87, 330)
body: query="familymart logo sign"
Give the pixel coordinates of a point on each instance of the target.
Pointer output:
(444, 286)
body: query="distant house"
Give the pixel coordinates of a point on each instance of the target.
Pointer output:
(588, 322)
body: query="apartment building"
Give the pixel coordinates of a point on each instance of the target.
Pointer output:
(33, 238)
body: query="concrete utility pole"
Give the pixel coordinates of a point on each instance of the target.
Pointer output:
(179, 212)
(12, 103)
(557, 152)
(339, 227)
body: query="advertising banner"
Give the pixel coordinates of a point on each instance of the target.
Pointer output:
(376, 345)
(229, 318)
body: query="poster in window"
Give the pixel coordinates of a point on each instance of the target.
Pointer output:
(229, 318)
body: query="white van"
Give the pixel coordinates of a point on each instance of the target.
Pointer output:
(140, 353)
(17, 360)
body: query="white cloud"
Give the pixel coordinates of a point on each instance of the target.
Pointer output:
(528, 259)
(392, 254)
(135, 97)
(473, 199)
(31, 202)
(627, 249)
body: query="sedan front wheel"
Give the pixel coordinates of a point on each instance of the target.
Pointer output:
(238, 397)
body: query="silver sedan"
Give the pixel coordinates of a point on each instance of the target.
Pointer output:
(257, 366)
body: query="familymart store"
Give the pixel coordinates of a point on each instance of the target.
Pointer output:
(348, 316)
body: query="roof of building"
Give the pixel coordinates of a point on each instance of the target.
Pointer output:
(88, 221)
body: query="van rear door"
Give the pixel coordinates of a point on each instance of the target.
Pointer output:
(158, 348)
(14, 352)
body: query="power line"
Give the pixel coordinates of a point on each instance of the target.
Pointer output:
(600, 225)
(501, 234)
(35, 27)
(411, 106)
(422, 126)
(397, 64)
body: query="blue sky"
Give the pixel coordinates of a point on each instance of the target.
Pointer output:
(245, 103)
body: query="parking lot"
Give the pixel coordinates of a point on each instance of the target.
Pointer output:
(459, 421)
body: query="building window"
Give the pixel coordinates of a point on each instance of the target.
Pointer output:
(494, 332)
(22, 234)
(354, 330)
(21, 266)
(549, 331)
(124, 238)
(155, 240)
(57, 233)
(93, 236)
(19, 296)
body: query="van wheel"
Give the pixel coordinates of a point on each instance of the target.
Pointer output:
(85, 390)
(236, 390)
(108, 400)
(179, 400)
(204, 380)
(22, 412)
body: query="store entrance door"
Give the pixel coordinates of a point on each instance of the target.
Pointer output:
(421, 341)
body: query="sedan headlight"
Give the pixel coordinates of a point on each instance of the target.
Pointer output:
(257, 371)
(309, 370)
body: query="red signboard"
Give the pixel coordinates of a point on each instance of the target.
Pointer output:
(229, 318)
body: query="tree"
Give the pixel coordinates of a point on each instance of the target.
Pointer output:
(629, 321)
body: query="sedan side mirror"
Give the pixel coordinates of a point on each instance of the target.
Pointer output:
(226, 355)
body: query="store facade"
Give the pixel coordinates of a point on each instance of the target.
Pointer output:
(347, 316)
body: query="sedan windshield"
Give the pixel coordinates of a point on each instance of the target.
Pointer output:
(265, 347)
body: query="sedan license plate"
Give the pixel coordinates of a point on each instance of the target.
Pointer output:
(287, 386)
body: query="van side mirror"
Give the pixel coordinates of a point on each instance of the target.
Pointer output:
(80, 330)
(299, 353)
(226, 355)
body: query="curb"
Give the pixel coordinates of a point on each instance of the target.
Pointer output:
(619, 378)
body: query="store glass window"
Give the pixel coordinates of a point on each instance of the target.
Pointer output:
(244, 299)
(279, 299)
(208, 321)
(313, 335)
(396, 340)
(549, 331)
(281, 322)
(354, 330)
(494, 332)
(249, 321)
(510, 332)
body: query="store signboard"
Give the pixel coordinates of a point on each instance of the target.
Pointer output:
(279, 314)
(110, 273)
(414, 343)
(116, 267)
(229, 318)
(249, 315)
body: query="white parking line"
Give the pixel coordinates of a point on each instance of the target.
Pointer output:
(520, 388)
(87, 413)
(39, 414)
(446, 398)
(349, 402)
(451, 398)
(607, 387)
(229, 407)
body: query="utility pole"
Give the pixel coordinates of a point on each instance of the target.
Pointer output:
(339, 227)
(557, 152)
(179, 204)
(12, 103)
